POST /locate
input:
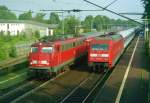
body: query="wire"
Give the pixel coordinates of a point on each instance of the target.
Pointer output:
(112, 12)
(71, 10)
(134, 13)
(111, 3)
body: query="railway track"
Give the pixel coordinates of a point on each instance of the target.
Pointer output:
(31, 86)
(13, 94)
(12, 80)
(78, 94)
(54, 87)
(82, 93)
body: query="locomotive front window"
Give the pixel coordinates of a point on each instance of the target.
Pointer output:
(47, 49)
(34, 49)
(100, 47)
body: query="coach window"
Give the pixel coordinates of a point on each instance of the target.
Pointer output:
(47, 49)
(34, 49)
(7, 26)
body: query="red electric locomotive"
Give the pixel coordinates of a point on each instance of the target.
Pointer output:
(48, 58)
(105, 51)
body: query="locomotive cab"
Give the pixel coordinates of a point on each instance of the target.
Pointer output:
(40, 58)
(104, 52)
(40, 55)
(98, 55)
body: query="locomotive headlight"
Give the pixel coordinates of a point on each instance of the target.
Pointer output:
(44, 62)
(104, 55)
(93, 55)
(34, 62)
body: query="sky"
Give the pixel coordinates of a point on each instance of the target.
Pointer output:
(36, 5)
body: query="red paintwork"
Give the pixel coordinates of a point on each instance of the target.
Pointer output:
(114, 50)
(58, 57)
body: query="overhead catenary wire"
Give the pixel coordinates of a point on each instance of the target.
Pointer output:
(71, 10)
(110, 3)
(131, 13)
(79, 10)
(112, 12)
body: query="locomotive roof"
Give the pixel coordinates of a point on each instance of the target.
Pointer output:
(42, 43)
(51, 40)
(62, 41)
(109, 37)
(92, 34)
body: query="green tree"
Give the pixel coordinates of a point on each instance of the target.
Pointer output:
(88, 23)
(106, 22)
(37, 34)
(5, 13)
(3, 54)
(54, 18)
(71, 25)
(13, 52)
(98, 22)
(26, 16)
(147, 8)
(39, 17)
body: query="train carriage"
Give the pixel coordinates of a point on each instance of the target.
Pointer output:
(128, 35)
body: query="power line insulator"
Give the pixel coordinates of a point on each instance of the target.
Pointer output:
(76, 10)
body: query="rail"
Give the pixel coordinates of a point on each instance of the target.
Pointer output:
(25, 90)
(97, 87)
(83, 91)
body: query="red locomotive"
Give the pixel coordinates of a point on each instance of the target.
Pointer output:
(48, 58)
(104, 51)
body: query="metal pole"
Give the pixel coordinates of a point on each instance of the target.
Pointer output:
(145, 35)
(92, 24)
(75, 29)
(63, 27)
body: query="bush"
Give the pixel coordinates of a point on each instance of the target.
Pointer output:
(3, 54)
(7, 42)
(37, 34)
(13, 52)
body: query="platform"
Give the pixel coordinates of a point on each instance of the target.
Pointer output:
(128, 82)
